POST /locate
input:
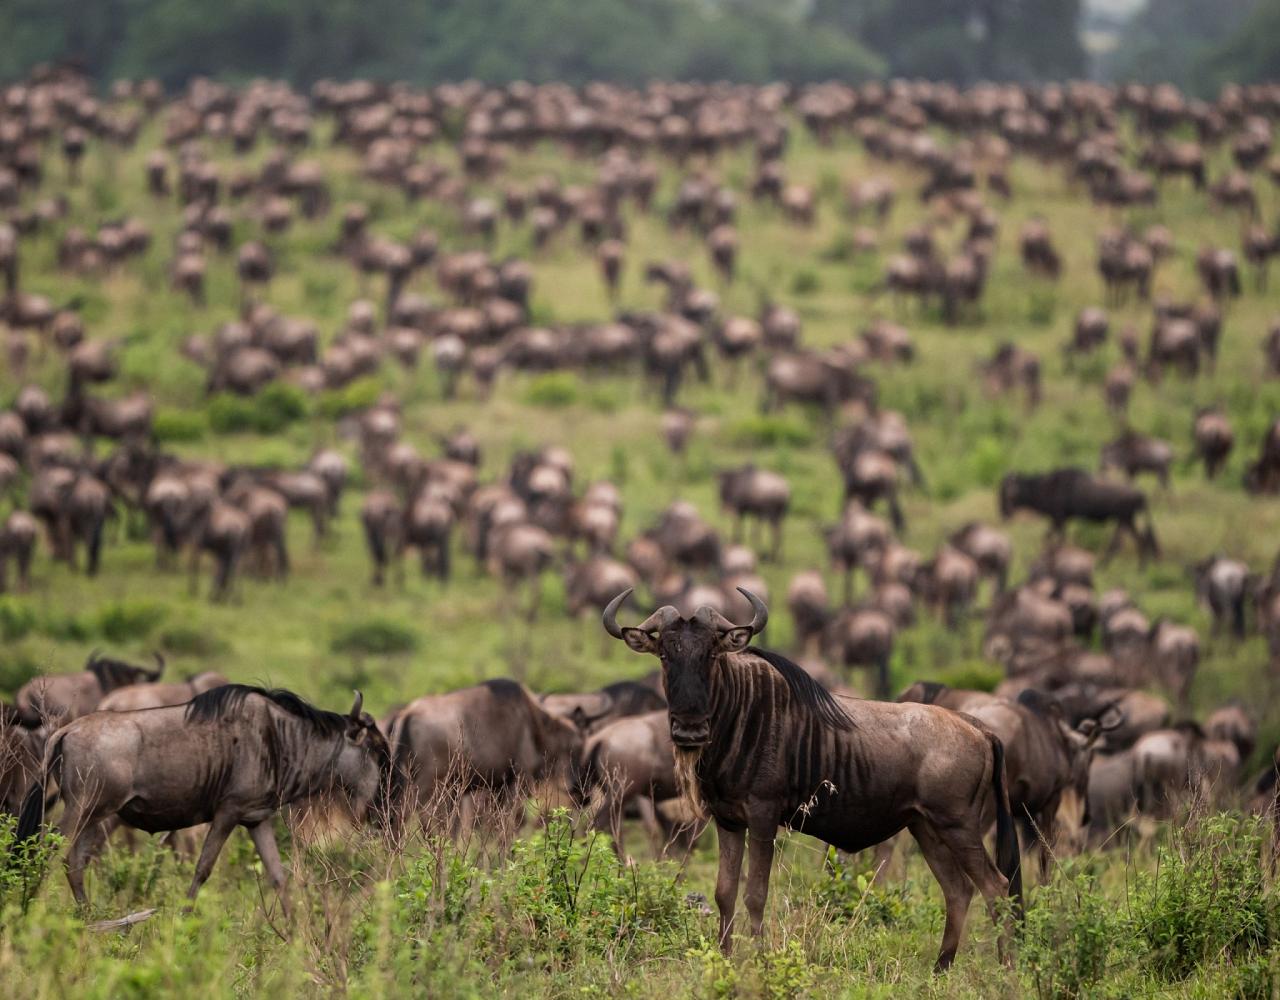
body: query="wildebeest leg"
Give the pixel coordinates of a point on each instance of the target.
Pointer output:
(759, 867)
(1114, 545)
(731, 844)
(649, 820)
(882, 678)
(895, 511)
(776, 554)
(882, 858)
(264, 839)
(957, 890)
(88, 840)
(965, 842)
(219, 830)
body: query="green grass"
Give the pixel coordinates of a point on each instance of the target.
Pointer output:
(374, 923)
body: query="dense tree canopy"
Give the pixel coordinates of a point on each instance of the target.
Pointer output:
(1191, 42)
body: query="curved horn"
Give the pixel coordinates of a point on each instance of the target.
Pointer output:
(358, 707)
(159, 671)
(659, 620)
(1112, 718)
(610, 619)
(760, 613)
(709, 616)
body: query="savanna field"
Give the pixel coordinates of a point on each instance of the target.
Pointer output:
(1181, 908)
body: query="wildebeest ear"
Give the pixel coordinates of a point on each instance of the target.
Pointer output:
(736, 639)
(640, 641)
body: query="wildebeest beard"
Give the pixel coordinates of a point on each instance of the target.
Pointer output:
(687, 780)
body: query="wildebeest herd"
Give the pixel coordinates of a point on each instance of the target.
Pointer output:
(1088, 737)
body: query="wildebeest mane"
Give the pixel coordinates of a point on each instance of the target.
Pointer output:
(807, 692)
(217, 703)
(930, 690)
(505, 689)
(113, 674)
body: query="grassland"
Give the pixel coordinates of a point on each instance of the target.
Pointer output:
(432, 923)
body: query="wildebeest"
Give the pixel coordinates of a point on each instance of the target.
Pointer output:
(1133, 453)
(138, 696)
(21, 750)
(493, 738)
(231, 757)
(1223, 584)
(60, 698)
(1214, 439)
(758, 493)
(759, 744)
(631, 762)
(1071, 493)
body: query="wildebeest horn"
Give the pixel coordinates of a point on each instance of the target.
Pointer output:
(707, 615)
(659, 620)
(760, 613)
(358, 707)
(159, 671)
(610, 619)
(1111, 718)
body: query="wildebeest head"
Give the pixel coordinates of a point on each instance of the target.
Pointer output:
(1078, 743)
(687, 649)
(1010, 494)
(112, 674)
(364, 766)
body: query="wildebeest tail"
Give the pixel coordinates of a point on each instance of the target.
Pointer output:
(33, 806)
(1008, 855)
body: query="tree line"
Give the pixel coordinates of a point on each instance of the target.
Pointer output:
(1190, 42)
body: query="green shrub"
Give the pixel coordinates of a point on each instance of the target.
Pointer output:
(553, 390)
(766, 430)
(272, 410)
(564, 893)
(1042, 305)
(16, 620)
(67, 627)
(850, 894)
(1207, 899)
(376, 637)
(128, 621)
(974, 676)
(16, 668)
(1068, 936)
(170, 426)
(25, 865)
(186, 640)
(805, 282)
(359, 395)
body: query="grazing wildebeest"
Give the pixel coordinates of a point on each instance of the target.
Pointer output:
(21, 749)
(759, 744)
(1214, 439)
(989, 547)
(231, 757)
(492, 738)
(63, 697)
(862, 637)
(759, 493)
(138, 696)
(1064, 494)
(1133, 453)
(631, 761)
(1223, 585)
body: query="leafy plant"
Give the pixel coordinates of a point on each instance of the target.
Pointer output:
(376, 637)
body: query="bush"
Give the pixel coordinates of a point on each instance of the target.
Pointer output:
(126, 622)
(1068, 935)
(271, 411)
(376, 637)
(25, 865)
(171, 426)
(851, 894)
(16, 668)
(359, 395)
(805, 282)
(67, 627)
(975, 676)
(553, 390)
(764, 430)
(186, 640)
(1207, 899)
(16, 621)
